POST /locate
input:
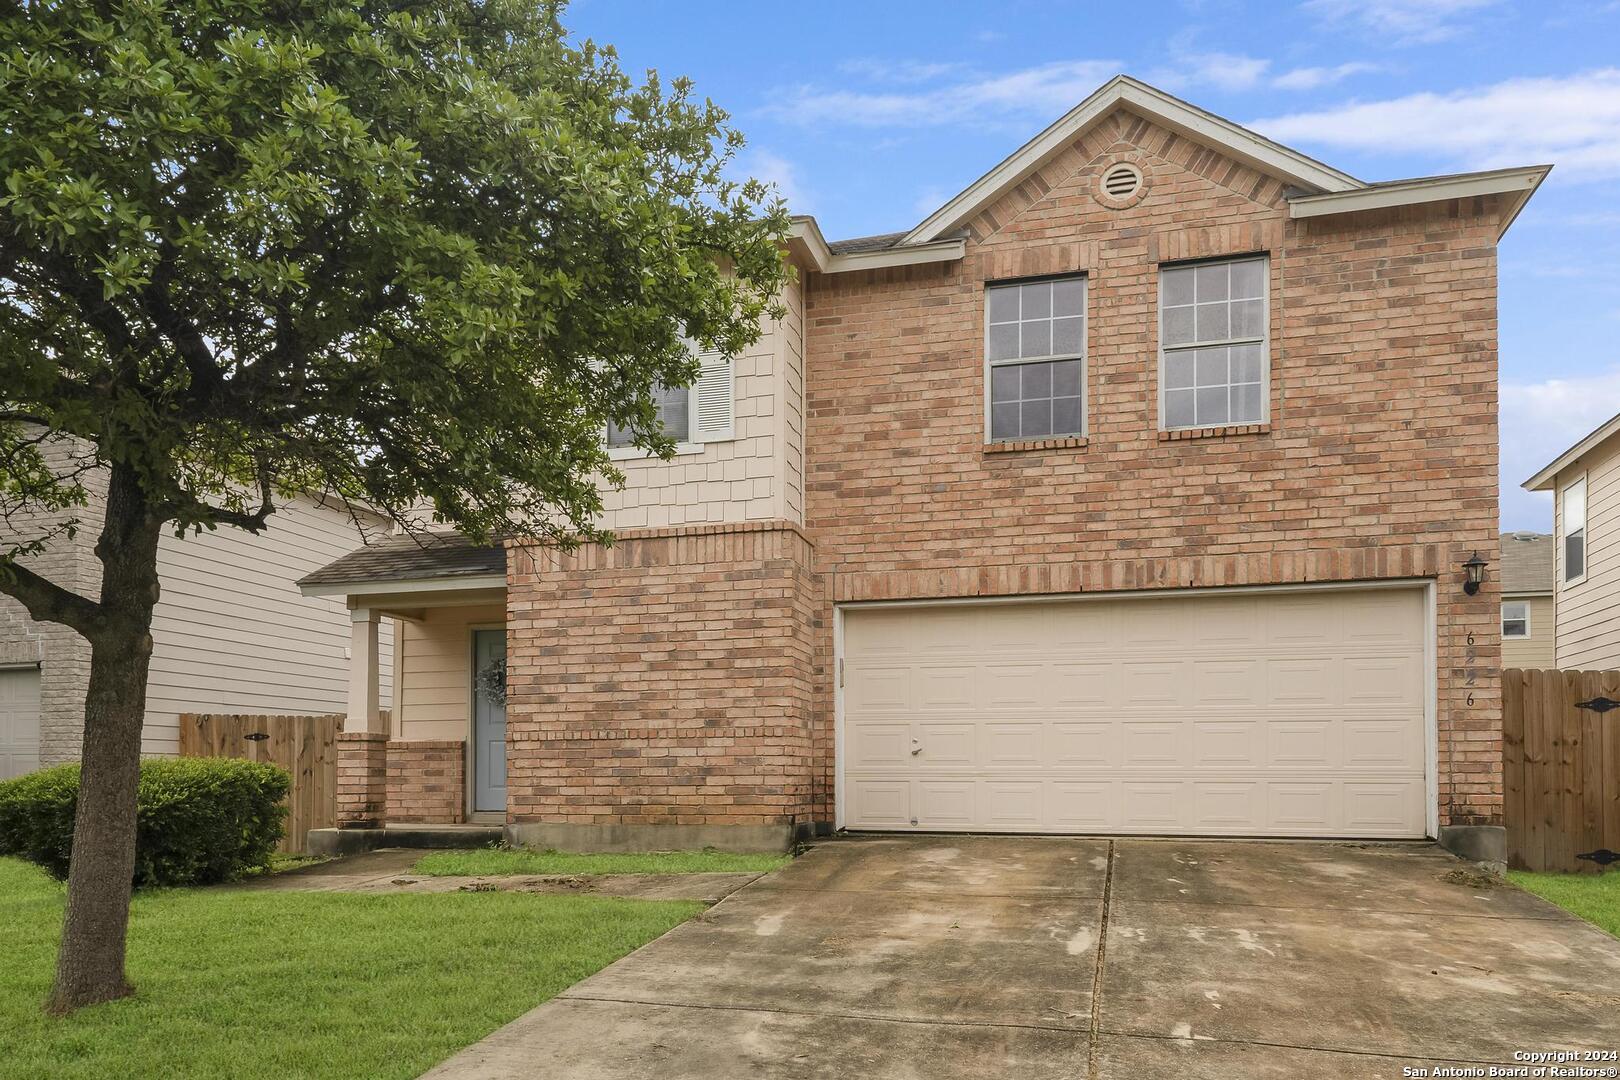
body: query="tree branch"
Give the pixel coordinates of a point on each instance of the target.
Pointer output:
(47, 601)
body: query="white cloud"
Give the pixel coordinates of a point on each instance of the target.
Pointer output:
(928, 200)
(980, 101)
(1540, 420)
(1572, 121)
(897, 71)
(1221, 70)
(1404, 22)
(1310, 78)
(776, 170)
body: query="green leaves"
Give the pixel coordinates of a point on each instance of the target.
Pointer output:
(409, 256)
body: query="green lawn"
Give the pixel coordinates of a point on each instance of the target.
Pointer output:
(1594, 897)
(488, 862)
(283, 984)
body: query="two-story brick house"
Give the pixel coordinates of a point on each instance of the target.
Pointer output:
(1130, 492)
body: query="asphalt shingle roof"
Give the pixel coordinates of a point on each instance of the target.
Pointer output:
(1527, 562)
(881, 242)
(412, 558)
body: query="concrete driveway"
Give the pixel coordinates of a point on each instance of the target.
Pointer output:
(935, 957)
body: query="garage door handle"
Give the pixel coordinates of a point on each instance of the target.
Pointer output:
(915, 750)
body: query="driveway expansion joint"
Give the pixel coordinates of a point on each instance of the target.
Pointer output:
(1097, 971)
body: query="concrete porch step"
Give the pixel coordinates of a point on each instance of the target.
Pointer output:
(354, 841)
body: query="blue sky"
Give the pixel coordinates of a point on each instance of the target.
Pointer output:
(870, 115)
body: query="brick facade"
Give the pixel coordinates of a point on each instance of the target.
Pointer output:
(684, 677)
(427, 781)
(675, 678)
(1378, 459)
(362, 779)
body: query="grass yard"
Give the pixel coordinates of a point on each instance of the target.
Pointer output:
(1594, 897)
(494, 862)
(293, 984)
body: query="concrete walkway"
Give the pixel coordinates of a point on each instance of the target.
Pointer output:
(1045, 958)
(389, 871)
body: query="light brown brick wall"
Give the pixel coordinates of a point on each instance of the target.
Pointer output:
(671, 679)
(1378, 460)
(427, 781)
(362, 779)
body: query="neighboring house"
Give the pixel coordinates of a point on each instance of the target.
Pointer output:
(1529, 630)
(1129, 492)
(1585, 484)
(229, 634)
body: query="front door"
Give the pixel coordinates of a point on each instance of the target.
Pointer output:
(489, 721)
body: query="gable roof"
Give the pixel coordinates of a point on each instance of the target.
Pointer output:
(1548, 476)
(1205, 127)
(1317, 189)
(1527, 563)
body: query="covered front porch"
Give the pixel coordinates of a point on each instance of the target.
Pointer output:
(432, 768)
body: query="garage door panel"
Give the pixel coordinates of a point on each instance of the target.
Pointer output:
(884, 804)
(1152, 683)
(1083, 745)
(1014, 746)
(1151, 745)
(1371, 680)
(870, 745)
(1090, 685)
(1228, 744)
(1299, 681)
(1231, 682)
(1229, 806)
(946, 804)
(1303, 744)
(1296, 714)
(946, 745)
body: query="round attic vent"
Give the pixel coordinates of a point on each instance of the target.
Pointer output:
(1121, 181)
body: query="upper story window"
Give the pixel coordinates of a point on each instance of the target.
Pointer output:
(1213, 360)
(1572, 524)
(691, 415)
(1035, 354)
(1516, 619)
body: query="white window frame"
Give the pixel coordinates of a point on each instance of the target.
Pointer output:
(1525, 618)
(695, 439)
(1565, 580)
(1085, 371)
(1264, 340)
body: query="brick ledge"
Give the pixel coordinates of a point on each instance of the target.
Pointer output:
(1021, 445)
(1221, 432)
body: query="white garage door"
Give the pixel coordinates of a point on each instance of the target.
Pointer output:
(19, 721)
(1236, 714)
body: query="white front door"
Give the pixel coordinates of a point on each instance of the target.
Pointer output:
(1237, 714)
(19, 721)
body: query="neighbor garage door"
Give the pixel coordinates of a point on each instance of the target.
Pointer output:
(19, 721)
(1237, 714)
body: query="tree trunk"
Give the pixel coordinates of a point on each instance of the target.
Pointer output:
(90, 964)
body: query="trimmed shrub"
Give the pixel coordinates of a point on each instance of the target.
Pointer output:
(197, 820)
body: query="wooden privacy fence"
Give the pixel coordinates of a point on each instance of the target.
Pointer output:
(1560, 766)
(305, 746)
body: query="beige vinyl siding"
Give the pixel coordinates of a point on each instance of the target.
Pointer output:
(232, 633)
(1537, 650)
(435, 671)
(758, 475)
(1589, 610)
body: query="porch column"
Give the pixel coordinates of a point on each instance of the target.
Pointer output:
(362, 770)
(365, 710)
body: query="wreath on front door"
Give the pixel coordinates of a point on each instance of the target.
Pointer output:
(491, 682)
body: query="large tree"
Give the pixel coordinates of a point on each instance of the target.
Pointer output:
(405, 253)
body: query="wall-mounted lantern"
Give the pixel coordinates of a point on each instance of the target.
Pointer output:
(1474, 569)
